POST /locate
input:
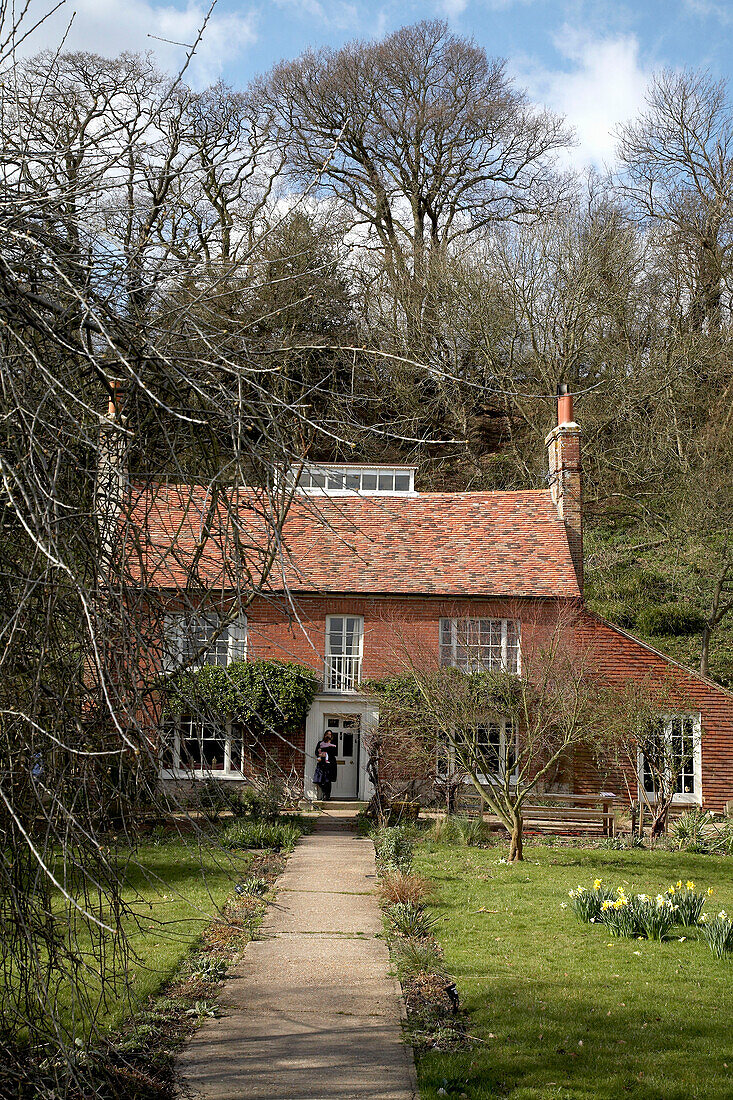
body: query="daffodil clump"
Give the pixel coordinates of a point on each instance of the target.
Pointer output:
(639, 914)
(587, 904)
(718, 933)
(618, 914)
(688, 900)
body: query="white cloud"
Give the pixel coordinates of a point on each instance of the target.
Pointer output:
(109, 27)
(452, 8)
(339, 15)
(604, 86)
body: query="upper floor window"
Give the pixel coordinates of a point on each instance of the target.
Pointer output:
(344, 641)
(368, 480)
(198, 638)
(480, 645)
(671, 756)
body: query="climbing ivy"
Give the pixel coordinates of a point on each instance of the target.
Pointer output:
(262, 695)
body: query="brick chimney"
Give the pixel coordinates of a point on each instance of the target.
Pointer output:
(565, 475)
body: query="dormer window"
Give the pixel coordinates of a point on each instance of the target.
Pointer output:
(339, 479)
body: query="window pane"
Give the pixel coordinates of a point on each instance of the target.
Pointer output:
(368, 482)
(348, 744)
(335, 481)
(402, 482)
(305, 480)
(353, 481)
(318, 480)
(386, 481)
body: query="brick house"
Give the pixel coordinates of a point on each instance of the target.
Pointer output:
(366, 567)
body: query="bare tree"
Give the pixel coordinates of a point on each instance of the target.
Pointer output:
(678, 160)
(422, 135)
(511, 735)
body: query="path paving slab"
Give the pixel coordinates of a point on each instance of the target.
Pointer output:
(311, 1012)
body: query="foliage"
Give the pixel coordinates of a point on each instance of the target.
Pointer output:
(468, 831)
(718, 933)
(638, 914)
(277, 835)
(415, 955)
(406, 918)
(262, 800)
(403, 886)
(698, 830)
(587, 904)
(262, 695)
(670, 619)
(688, 902)
(393, 845)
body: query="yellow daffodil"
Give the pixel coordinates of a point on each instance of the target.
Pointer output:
(690, 885)
(710, 891)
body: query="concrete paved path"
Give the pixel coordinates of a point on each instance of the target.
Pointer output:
(311, 1012)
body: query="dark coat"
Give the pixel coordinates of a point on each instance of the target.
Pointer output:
(331, 752)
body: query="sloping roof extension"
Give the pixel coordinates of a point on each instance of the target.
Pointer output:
(458, 544)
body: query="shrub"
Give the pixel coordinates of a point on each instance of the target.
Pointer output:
(670, 619)
(263, 802)
(277, 835)
(400, 886)
(690, 828)
(718, 933)
(212, 798)
(586, 904)
(407, 919)
(418, 956)
(393, 846)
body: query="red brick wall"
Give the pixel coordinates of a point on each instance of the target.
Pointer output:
(619, 658)
(395, 627)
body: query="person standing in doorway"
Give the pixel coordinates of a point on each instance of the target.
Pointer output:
(326, 766)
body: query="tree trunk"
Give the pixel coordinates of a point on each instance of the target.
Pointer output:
(516, 842)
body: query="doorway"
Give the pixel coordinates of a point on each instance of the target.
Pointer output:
(346, 731)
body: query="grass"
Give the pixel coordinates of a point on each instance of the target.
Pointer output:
(561, 1009)
(173, 889)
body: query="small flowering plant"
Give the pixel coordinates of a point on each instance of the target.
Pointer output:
(618, 914)
(587, 904)
(641, 914)
(655, 916)
(688, 901)
(718, 933)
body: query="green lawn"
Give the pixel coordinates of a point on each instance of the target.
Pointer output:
(173, 888)
(562, 1009)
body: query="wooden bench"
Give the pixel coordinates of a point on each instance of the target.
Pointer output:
(569, 813)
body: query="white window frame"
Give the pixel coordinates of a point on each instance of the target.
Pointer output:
(448, 640)
(343, 479)
(174, 733)
(486, 778)
(683, 797)
(235, 635)
(343, 667)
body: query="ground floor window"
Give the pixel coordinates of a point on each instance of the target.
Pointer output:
(490, 749)
(670, 759)
(193, 745)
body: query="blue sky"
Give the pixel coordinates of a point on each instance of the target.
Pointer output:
(588, 59)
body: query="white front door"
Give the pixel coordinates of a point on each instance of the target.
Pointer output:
(346, 732)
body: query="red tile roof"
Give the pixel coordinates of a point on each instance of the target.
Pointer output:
(462, 544)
